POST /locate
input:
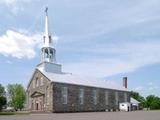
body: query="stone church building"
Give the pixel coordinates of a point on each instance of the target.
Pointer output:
(51, 90)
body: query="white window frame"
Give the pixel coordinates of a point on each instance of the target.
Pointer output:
(47, 95)
(116, 97)
(41, 81)
(107, 97)
(125, 97)
(65, 95)
(37, 82)
(95, 97)
(34, 83)
(81, 96)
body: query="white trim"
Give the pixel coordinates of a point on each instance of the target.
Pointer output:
(95, 97)
(81, 96)
(65, 95)
(107, 97)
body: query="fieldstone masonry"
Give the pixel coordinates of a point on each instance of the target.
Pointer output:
(40, 86)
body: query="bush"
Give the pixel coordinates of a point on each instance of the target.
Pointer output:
(3, 102)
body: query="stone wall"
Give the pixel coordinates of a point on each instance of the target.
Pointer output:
(74, 105)
(55, 104)
(35, 93)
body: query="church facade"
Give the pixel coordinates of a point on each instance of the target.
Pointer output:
(51, 90)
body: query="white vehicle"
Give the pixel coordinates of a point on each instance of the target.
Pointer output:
(126, 106)
(9, 109)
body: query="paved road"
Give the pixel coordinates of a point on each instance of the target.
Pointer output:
(138, 115)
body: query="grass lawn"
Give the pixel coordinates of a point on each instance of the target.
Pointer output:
(14, 113)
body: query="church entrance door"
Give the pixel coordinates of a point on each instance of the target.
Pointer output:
(36, 106)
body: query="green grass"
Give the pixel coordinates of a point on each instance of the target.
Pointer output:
(14, 113)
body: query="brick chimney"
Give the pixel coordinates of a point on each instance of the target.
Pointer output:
(125, 82)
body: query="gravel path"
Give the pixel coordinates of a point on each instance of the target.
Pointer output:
(138, 115)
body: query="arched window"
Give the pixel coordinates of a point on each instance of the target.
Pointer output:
(125, 97)
(107, 97)
(46, 53)
(37, 83)
(50, 39)
(65, 95)
(47, 95)
(51, 53)
(34, 84)
(116, 97)
(81, 96)
(95, 97)
(44, 39)
(41, 81)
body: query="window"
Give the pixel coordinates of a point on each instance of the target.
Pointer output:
(46, 53)
(125, 97)
(65, 95)
(44, 39)
(47, 95)
(51, 54)
(37, 84)
(106, 97)
(41, 83)
(50, 39)
(95, 97)
(116, 97)
(81, 96)
(34, 84)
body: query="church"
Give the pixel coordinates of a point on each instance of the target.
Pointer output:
(52, 90)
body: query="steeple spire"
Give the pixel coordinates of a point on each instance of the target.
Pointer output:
(47, 35)
(46, 24)
(48, 52)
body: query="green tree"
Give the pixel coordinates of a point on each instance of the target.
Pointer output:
(16, 95)
(3, 99)
(2, 91)
(152, 102)
(139, 98)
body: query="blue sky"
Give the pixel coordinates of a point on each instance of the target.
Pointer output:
(101, 38)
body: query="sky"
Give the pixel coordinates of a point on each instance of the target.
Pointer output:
(100, 38)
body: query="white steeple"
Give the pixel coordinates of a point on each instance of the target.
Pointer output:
(48, 51)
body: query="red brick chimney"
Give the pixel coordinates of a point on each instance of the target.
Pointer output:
(125, 82)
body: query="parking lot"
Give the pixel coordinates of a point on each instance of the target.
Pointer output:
(138, 115)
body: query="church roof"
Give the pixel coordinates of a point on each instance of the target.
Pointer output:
(134, 101)
(69, 78)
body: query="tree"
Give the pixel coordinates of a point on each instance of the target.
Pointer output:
(3, 99)
(2, 91)
(16, 95)
(152, 102)
(139, 98)
(3, 102)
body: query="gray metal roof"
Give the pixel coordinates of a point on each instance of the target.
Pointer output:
(69, 78)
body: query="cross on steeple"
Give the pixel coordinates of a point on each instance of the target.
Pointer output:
(46, 10)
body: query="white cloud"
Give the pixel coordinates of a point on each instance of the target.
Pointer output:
(123, 58)
(139, 88)
(18, 44)
(150, 83)
(14, 6)
(147, 89)
(9, 62)
(13, 2)
(8, 2)
(21, 44)
(100, 18)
